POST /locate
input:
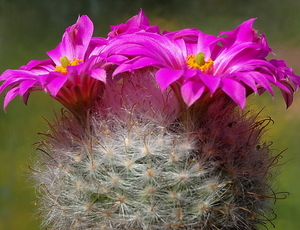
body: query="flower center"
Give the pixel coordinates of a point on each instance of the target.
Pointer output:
(64, 61)
(198, 62)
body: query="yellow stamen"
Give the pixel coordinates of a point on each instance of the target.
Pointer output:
(65, 62)
(198, 62)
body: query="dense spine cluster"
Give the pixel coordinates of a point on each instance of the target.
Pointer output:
(137, 167)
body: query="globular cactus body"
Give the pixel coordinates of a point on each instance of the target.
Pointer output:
(139, 164)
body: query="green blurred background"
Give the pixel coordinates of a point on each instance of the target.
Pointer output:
(30, 28)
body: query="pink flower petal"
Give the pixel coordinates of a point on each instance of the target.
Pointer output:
(211, 82)
(75, 41)
(56, 83)
(136, 23)
(235, 90)
(166, 77)
(249, 81)
(98, 74)
(25, 86)
(287, 95)
(191, 91)
(11, 94)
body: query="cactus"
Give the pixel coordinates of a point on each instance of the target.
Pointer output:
(140, 165)
(155, 133)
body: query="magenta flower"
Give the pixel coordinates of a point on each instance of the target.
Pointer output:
(137, 23)
(71, 75)
(203, 65)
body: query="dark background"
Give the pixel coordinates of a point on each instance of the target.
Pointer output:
(30, 28)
